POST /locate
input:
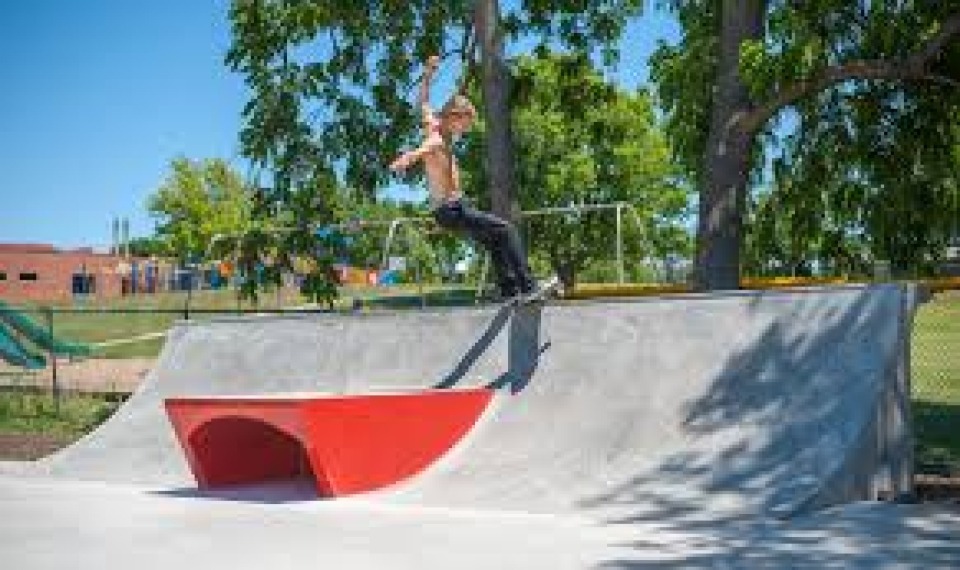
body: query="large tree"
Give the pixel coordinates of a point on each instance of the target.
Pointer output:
(198, 200)
(583, 141)
(149, 246)
(742, 63)
(331, 81)
(500, 162)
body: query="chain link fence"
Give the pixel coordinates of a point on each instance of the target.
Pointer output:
(935, 364)
(107, 346)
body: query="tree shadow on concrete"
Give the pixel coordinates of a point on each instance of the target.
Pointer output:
(523, 349)
(772, 426)
(865, 535)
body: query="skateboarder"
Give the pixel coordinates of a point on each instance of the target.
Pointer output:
(498, 236)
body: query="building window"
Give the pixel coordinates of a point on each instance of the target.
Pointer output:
(3, 275)
(84, 284)
(28, 277)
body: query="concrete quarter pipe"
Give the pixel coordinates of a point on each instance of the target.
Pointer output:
(767, 403)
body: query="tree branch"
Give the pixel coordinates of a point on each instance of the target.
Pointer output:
(912, 68)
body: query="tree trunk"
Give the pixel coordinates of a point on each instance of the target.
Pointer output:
(726, 166)
(496, 94)
(722, 205)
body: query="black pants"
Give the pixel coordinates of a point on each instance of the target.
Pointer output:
(498, 236)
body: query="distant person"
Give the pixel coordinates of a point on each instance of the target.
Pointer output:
(451, 211)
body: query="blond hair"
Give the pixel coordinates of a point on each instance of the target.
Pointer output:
(458, 105)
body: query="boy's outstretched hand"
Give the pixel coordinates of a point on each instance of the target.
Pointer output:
(401, 163)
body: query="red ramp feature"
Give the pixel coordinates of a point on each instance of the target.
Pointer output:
(347, 444)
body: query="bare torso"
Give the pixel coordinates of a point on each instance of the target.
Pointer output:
(440, 167)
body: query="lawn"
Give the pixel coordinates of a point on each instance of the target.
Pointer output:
(134, 316)
(936, 383)
(129, 317)
(28, 412)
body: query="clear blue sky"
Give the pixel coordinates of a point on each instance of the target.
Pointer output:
(97, 97)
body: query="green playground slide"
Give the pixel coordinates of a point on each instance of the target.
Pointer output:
(38, 334)
(16, 354)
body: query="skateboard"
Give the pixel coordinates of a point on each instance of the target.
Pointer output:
(548, 289)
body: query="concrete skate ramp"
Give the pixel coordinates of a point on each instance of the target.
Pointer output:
(747, 403)
(772, 403)
(332, 354)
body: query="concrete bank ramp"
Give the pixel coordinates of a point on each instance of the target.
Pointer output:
(767, 403)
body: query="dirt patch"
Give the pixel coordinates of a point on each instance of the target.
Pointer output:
(90, 375)
(30, 446)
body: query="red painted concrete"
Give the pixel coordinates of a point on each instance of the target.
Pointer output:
(234, 450)
(348, 444)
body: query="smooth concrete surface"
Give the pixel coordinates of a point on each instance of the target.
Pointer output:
(697, 431)
(97, 526)
(758, 404)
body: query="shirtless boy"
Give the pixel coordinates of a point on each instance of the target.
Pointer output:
(498, 236)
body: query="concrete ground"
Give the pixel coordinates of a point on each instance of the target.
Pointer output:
(90, 525)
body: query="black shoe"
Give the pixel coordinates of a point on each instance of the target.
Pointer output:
(505, 295)
(500, 295)
(542, 290)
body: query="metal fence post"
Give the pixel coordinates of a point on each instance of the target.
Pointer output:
(482, 277)
(186, 304)
(55, 382)
(388, 242)
(620, 271)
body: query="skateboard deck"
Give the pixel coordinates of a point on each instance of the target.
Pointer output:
(549, 289)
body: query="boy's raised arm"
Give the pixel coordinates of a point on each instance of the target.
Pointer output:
(429, 69)
(432, 140)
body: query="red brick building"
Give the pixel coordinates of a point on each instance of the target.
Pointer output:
(39, 272)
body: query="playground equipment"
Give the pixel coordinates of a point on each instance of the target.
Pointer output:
(40, 335)
(414, 230)
(15, 353)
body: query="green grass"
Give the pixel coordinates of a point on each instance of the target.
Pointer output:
(936, 383)
(91, 322)
(28, 412)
